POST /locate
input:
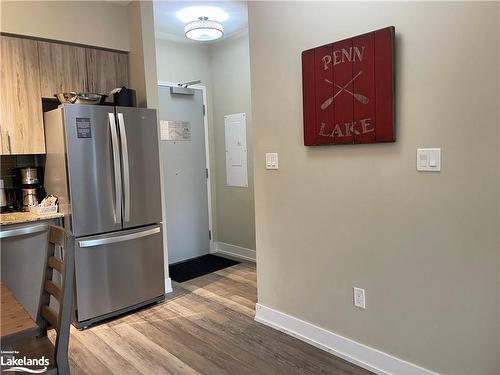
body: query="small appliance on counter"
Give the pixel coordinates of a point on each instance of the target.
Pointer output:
(29, 198)
(28, 187)
(29, 176)
(3, 198)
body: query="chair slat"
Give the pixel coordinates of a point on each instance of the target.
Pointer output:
(56, 235)
(55, 263)
(50, 315)
(53, 289)
(60, 320)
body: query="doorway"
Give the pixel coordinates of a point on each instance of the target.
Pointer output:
(186, 177)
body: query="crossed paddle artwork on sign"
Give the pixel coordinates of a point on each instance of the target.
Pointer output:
(348, 90)
(359, 97)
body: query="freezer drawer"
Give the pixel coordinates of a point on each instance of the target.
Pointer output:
(118, 270)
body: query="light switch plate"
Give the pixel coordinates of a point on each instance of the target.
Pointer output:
(271, 160)
(359, 297)
(429, 159)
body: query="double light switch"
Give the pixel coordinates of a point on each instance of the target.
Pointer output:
(429, 159)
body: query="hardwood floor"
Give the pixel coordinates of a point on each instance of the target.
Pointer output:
(205, 326)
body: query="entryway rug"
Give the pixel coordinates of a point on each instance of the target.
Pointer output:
(197, 267)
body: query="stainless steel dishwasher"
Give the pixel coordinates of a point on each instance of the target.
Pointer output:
(23, 249)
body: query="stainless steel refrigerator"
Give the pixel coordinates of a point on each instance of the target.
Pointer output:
(103, 164)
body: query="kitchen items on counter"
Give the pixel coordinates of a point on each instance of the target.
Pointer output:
(29, 180)
(29, 198)
(3, 198)
(28, 189)
(48, 205)
(29, 176)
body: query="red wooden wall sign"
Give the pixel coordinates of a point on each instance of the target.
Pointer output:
(348, 90)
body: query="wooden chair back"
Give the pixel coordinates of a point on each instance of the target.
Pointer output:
(59, 318)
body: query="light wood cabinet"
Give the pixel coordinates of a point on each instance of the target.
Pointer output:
(106, 70)
(63, 68)
(21, 126)
(31, 70)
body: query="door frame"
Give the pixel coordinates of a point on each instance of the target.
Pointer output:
(203, 88)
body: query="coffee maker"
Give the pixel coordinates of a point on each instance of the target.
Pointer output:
(3, 198)
(29, 189)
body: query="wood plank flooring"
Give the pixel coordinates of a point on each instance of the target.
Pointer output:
(205, 326)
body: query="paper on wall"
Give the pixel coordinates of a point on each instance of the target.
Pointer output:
(175, 130)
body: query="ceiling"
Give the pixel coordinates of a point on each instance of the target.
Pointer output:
(232, 15)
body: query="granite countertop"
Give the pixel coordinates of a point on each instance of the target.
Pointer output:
(25, 217)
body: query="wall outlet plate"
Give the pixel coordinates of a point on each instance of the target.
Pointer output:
(359, 297)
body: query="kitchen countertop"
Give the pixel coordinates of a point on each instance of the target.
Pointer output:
(25, 217)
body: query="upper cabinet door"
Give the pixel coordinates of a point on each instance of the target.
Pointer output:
(63, 68)
(21, 124)
(106, 70)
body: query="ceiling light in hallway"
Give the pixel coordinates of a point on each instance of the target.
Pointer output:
(204, 30)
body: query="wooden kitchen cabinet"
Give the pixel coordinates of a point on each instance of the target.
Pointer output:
(21, 126)
(106, 70)
(63, 68)
(31, 69)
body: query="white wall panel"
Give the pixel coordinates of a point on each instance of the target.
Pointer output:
(236, 149)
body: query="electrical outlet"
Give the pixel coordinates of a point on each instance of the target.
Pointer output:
(359, 297)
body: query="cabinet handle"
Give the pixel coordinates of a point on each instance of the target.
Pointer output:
(23, 231)
(8, 141)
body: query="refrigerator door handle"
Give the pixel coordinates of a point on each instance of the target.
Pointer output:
(116, 167)
(126, 171)
(125, 237)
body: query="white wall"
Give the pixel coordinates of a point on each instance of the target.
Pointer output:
(94, 23)
(181, 62)
(424, 245)
(230, 67)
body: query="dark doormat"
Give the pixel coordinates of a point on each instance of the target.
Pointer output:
(197, 267)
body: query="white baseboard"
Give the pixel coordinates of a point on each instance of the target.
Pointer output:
(234, 251)
(168, 285)
(352, 351)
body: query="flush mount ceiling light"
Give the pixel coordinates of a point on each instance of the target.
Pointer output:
(204, 30)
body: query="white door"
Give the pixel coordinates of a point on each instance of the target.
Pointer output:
(183, 149)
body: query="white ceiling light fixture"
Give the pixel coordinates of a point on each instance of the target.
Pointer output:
(204, 30)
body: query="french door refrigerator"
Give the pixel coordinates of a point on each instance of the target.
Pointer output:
(102, 162)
